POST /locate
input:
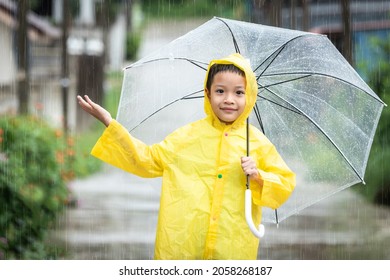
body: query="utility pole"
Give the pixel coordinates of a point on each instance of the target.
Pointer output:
(293, 17)
(347, 38)
(23, 59)
(276, 13)
(305, 16)
(128, 6)
(65, 82)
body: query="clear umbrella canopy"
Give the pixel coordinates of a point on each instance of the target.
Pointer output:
(312, 105)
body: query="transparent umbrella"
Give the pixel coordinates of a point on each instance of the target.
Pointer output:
(312, 105)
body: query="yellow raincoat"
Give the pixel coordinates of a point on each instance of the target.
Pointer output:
(203, 191)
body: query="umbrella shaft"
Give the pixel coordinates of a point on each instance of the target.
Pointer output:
(247, 149)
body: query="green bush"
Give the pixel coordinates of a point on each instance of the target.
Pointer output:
(33, 170)
(133, 41)
(377, 173)
(184, 9)
(83, 164)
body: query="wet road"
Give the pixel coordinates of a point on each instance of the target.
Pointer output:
(117, 215)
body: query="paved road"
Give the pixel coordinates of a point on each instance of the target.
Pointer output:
(117, 213)
(115, 218)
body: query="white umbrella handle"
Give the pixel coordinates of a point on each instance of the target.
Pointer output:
(248, 216)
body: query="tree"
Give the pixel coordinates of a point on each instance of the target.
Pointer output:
(23, 58)
(276, 12)
(347, 38)
(305, 15)
(377, 175)
(65, 62)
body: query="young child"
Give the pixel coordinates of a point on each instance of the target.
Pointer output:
(204, 169)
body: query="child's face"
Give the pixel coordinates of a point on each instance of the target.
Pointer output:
(227, 96)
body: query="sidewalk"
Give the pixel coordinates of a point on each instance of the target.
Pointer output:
(117, 215)
(115, 218)
(341, 227)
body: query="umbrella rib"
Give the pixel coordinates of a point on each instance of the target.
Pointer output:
(166, 105)
(231, 32)
(298, 112)
(322, 131)
(278, 51)
(286, 81)
(195, 62)
(258, 117)
(325, 75)
(280, 105)
(193, 97)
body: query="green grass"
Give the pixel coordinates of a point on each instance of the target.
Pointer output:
(111, 99)
(184, 9)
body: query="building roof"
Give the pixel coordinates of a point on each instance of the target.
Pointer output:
(356, 26)
(39, 28)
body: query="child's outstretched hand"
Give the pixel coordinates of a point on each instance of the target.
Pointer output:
(250, 169)
(94, 109)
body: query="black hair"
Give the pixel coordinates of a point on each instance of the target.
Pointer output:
(216, 68)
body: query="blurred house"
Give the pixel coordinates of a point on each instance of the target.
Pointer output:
(368, 19)
(364, 34)
(307, 14)
(85, 56)
(43, 58)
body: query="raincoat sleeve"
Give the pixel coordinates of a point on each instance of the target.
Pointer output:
(118, 148)
(278, 179)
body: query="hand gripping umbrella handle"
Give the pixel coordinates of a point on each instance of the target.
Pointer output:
(248, 216)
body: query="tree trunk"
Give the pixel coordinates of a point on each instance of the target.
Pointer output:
(65, 64)
(23, 58)
(305, 16)
(347, 38)
(276, 14)
(293, 17)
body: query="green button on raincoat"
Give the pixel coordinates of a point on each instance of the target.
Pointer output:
(202, 198)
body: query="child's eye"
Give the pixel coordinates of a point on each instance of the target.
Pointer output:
(240, 92)
(219, 91)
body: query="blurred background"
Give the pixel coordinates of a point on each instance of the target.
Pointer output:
(57, 202)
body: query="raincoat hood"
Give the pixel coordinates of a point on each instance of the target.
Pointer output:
(250, 91)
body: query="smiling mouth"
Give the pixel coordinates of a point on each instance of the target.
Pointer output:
(228, 109)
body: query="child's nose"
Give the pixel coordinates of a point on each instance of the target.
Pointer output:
(229, 98)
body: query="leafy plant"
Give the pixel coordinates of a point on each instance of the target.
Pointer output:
(377, 174)
(133, 41)
(34, 166)
(188, 8)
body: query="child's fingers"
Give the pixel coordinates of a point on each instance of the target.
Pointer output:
(81, 101)
(245, 159)
(89, 101)
(85, 105)
(248, 166)
(250, 171)
(245, 164)
(86, 97)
